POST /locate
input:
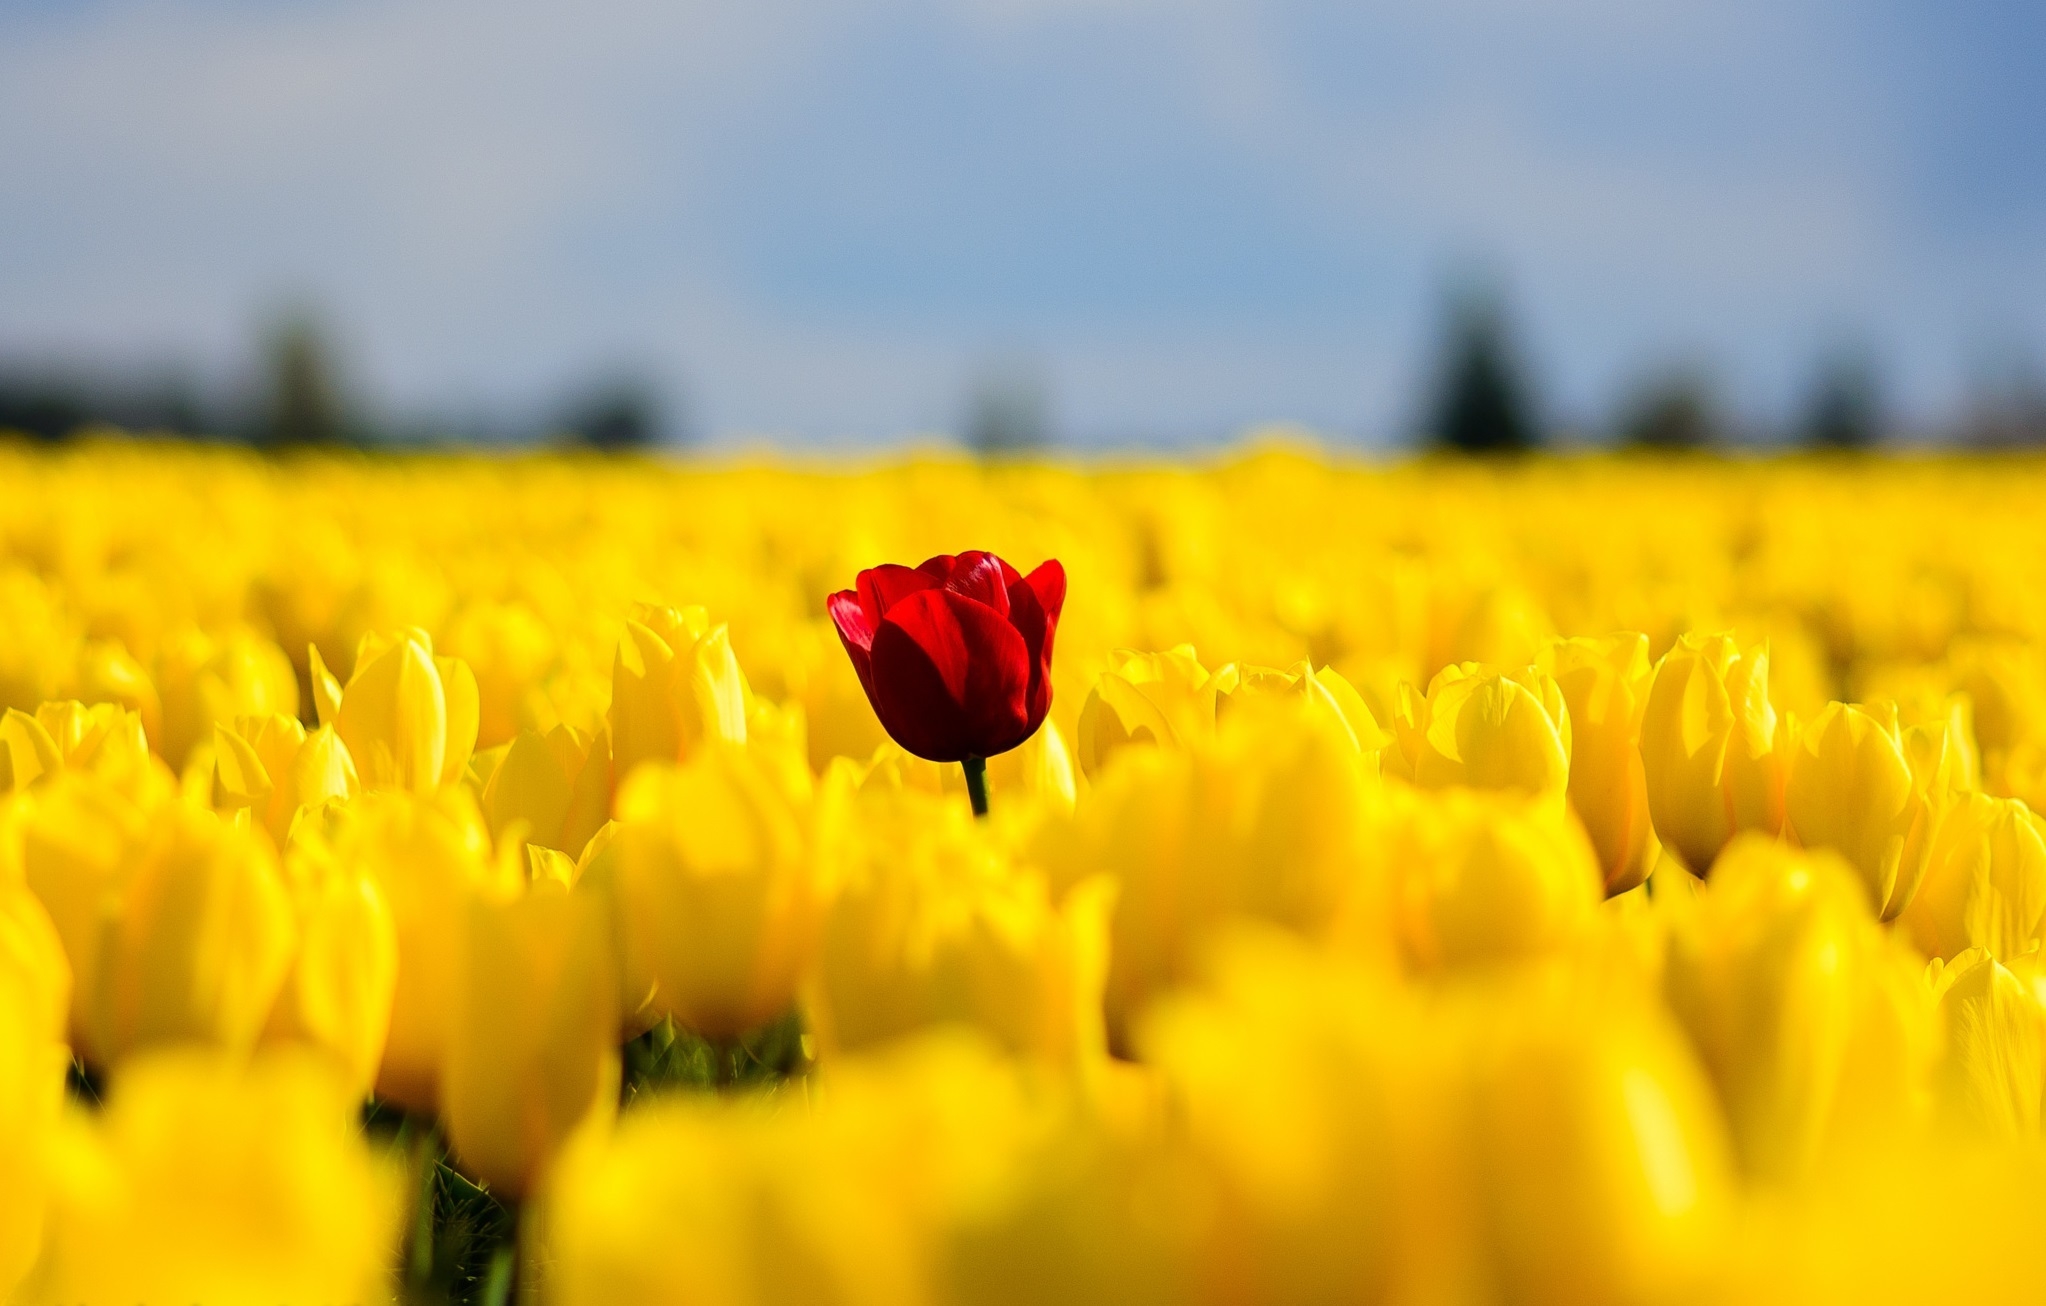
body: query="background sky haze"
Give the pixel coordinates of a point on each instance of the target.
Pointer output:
(819, 222)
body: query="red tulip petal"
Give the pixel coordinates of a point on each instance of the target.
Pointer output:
(850, 616)
(950, 677)
(938, 568)
(1027, 615)
(856, 633)
(882, 587)
(1049, 580)
(978, 576)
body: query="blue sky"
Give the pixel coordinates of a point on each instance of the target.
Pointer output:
(819, 220)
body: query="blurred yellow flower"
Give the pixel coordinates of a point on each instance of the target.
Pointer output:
(407, 717)
(1483, 728)
(1604, 683)
(718, 887)
(675, 684)
(1712, 748)
(531, 1056)
(208, 1179)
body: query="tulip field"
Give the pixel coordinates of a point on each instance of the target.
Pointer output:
(1272, 879)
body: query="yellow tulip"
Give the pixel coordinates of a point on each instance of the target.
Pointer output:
(706, 1200)
(558, 784)
(407, 717)
(209, 1179)
(675, 684)
(1324, 692)
(1780, 976)
(34, 982)
(272, 768)
(204, 680)
(1604, 683)
(1992, 1074)
(1162, 699)
(1985, 881)
(1304, 1103)
(192, 945)
(337, 995)
(512, 650)
(1485, 729)
(1477, 877)
(33, 968)
(1852, 788)
(718, 888)
(931, 922)
(1713, 750)
(426, 855)
(104, 739)
(531, 1056)
(596, 876)
(75, 841)
(1603, 1167)
(1267, 823)
(108, 673)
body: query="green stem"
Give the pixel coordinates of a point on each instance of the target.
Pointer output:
(976, 783)
(497, 1284)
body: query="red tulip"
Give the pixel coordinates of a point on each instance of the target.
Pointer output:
(955, 654)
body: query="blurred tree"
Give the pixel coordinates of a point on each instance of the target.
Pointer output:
(1671, 412)
(2006, 408)
(616, 415)
(1845, 409)
(47, 408)
(1008, 410)
(1482, 405)
(304, 405)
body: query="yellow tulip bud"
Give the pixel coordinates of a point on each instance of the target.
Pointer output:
(407, 717)
(208, 1179)
(1712, 748)
(675, 684)
(204, 680)
(1985, 881)
(107, 673)
(1323, 692)
(1604, 683)
(1602, 1162)
(1777, 974)
(1477, 877)
(272, 768)
(1266, 823)
(1992, 1075)
(1162, 699)
(931, 922)
(555, 783)
(193, 944)
(596, 875)
(511, 649)
(1484, 729)
(1851, 788)
(531, 1055)
(32, 1065)
(103, 739)
(426, 856)
(74, 840)
(717, 886)
(33, 967)
(337, 995)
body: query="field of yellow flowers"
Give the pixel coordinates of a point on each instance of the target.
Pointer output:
(1578, 880)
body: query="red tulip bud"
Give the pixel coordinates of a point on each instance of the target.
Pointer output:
(955, 655)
